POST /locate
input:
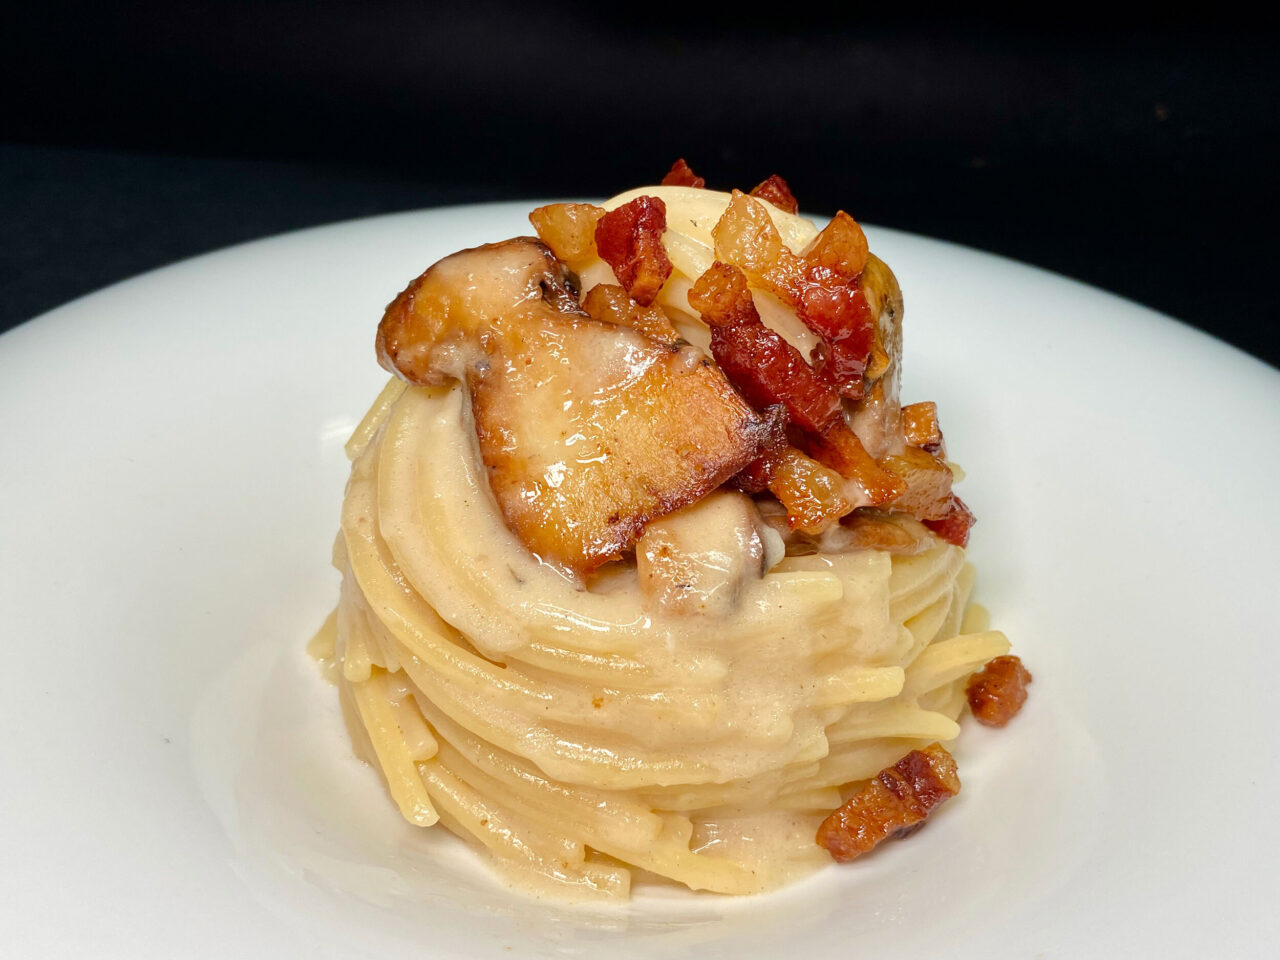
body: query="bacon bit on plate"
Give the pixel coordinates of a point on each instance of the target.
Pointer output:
(569, 229)
(997, 692)
(955, 525)
(827, 299)
(682, 175)
(894, 803)
(776, 191)
(921, 429)
(610, 303)
(629, 239)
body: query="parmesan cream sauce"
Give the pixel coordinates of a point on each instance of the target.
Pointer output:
(806, 635)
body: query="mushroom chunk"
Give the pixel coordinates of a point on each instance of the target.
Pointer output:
(588, 429)
(697, 560)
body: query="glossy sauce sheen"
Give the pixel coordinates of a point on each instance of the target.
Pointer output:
(715, 684)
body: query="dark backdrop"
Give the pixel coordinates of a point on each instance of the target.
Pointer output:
(1138, 155)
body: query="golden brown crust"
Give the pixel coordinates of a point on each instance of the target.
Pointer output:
(629, 240)
(609, 303)
(894, 803)
(569, 229)
(815, 496)
(997, 692)
(455, 298)
(682, 175)
(876, 416)
(841, 450)
(841, 247)
(776, 191)
(928, 483)
(640, 453)
(871, 529)
(921, 429)
(585, 426)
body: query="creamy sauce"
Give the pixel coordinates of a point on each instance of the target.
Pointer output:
(696, 707)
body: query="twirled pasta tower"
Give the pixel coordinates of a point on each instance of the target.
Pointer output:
(614, 595)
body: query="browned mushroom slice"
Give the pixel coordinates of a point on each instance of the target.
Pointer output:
(588, 429)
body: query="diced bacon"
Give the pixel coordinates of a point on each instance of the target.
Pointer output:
(768, 370)
(894, 803)
(920, 428)
(776, 191)
(569, 229)
(840, 449)
(954, 526)
(997, 692)
(629, 239)
(610, 303)
(841, 247)
(831, 303)
(815, 496)
(758, 361)
(755, 476)
(681, 175)
(838, 312)
(746, 238)
(928, 481)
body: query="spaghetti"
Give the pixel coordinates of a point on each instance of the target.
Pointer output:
(578, 731)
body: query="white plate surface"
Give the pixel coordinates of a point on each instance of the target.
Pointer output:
(175, 777)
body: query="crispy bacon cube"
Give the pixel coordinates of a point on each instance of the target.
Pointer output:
(997, 692)
(894, 803)
(681, 175)
(768, 370)
(831, 303)
(838, 312)
(776, 191)
(841, 247)
(920, 427)
(758, 361)
(569, 229)
(816, 497)
(955, 524)
(629, 239)
(928, 480)
(840, 449)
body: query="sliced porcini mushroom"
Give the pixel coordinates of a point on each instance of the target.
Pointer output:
(589, 430)
(876, 417)
(698, 559)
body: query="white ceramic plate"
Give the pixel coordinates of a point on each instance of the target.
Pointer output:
(176, 781)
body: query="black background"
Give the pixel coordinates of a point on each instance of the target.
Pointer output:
(1136, 154)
